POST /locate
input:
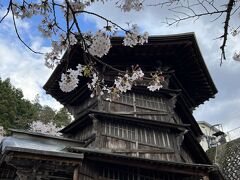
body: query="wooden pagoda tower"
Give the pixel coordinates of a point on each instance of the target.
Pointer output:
(142, 135)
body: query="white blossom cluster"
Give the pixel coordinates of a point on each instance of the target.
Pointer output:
(58, 47)
(97, 44)
(76, 6)
(124, 83)
(69, 80)
(236, 56)
(52, 58)
(121, 84)
(137, 74)
(100, 44)
(96, 86)
(133, 38)
(27, 10)
(128, 5)
(234, 32)
(49, 128)
(157, 81)
(47, 27)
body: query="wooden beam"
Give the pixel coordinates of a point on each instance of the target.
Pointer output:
(137, 113)
(150, 151)
(76, 173)
(160, 168)
(162, 112)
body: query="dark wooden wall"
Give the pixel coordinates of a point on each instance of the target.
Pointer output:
(135, 139)
(138, 141)
(153, 107)
(139, 105)
(104, 171)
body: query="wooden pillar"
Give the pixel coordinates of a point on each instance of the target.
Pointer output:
(96, 130)
(76, 173)
(205, 178)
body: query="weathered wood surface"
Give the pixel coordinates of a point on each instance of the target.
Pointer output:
(142, 106)
(132, 104)
(135, 139)
(106, 171)
(139, 141)
(84, 133)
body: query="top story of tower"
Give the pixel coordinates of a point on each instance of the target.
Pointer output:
(179, 53)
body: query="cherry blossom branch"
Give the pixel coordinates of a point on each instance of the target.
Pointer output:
(55, 18)
(19, 37)
(79, 30)
(96, 45)
(101, 17)
(94, 14)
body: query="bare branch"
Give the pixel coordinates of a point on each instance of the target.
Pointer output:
(107, 20)
(226, 26)
(18, 35)
(8, 9)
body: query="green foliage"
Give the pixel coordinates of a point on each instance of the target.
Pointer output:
(17, 112)
(46, 114)
(62, 118)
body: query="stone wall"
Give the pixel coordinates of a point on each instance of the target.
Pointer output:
(227, 157)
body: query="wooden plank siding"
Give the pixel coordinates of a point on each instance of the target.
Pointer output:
(105, 171)
(135, 139)
(76, 111)
(142, 106)
(131, 104)
(139, 141)
(84, 133)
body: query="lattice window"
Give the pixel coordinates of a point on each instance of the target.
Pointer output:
(141, 134)
(142, 106)
(152, 102)
(119, 130)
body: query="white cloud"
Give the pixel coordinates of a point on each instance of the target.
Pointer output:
(225, 107)
(25, 69)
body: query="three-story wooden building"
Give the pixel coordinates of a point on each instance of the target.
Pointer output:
(142, 135)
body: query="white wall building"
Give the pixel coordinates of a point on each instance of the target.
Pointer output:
(213, 135)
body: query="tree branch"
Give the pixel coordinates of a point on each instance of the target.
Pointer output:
(8, 9)
(226, 26)
(19, 37)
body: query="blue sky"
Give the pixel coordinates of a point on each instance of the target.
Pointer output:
(27, 70)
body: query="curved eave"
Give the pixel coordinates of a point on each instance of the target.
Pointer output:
(185, 67)
(75, 125)
(169, 166)
(181, 52)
